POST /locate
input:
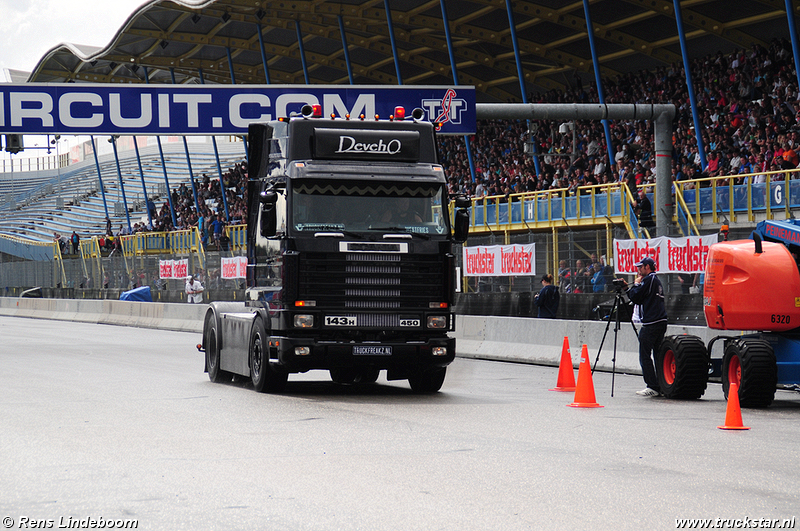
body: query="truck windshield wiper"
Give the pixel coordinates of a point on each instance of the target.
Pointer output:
(336, 234)
(402, 231)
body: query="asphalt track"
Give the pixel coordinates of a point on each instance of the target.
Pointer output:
(122, 424)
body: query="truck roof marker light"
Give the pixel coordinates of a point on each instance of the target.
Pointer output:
(391, 117)
(305, 303)
(333, 116)
(361, 117)
(399, 113)
(438, 305)
(347, 116)
(377, 117)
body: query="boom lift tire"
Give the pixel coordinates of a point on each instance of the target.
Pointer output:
(751, 363)
(682, 367)
(428, 381)
(215, 374)
(265, 379)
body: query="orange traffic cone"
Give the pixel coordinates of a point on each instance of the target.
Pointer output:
(733, 415)
(566, 374)
(584, 394)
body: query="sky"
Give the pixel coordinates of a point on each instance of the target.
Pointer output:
(29, 28)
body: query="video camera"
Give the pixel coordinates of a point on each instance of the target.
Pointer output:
(619, 284)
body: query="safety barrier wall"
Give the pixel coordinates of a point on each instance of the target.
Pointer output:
(513, 339)
(531, 340)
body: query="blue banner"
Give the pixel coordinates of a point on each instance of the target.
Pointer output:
(110, 109)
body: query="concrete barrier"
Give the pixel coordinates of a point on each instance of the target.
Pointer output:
(167, 316)
(513, 339)
(533, 340)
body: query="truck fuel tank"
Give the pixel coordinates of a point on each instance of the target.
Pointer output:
(747, 290)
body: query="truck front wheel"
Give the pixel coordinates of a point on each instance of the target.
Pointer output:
(215, 374)
(750, 363)
(682, 367)
(428, 381)
(265, 379)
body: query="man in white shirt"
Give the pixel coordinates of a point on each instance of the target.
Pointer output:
(194, 291)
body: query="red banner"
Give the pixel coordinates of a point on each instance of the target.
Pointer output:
(500, 260)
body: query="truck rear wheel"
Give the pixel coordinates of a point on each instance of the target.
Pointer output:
(682, 367)
(750, 363)
(265, 379)
(428, 381)
(215, 374)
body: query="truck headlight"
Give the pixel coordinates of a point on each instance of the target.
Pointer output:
(303, 321)
(439, 351)
(437, 321)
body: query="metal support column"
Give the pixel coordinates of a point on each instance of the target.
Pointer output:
(233, 82)
(99, 176)
(216, 156)
(391, 39)
(794, 36)
(144, 186)
(163, 166)
(454, 68)
(301, 50)
(347, 51)
(512, 25)
(662, 114)
(698, 125)
(121, 184)
(263, 52)
(188, 157)
(600, 92)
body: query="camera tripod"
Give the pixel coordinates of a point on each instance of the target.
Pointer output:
(618, 301)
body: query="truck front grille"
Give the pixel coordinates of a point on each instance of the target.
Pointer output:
(369, 281)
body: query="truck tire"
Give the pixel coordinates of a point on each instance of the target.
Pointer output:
(210, 340)
(682, 367)
(265, 379)
(751, 364)
(428, 381)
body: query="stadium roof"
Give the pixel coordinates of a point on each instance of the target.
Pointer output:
(183, 37)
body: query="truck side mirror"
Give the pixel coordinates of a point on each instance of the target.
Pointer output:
(269, 216)
(461, 226)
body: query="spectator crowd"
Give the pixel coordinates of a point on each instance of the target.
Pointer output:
(747, 103)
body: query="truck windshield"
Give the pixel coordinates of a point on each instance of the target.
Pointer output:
(358, 206)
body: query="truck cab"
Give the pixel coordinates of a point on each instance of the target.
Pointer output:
(350, 260)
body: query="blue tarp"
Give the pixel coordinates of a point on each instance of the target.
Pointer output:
(139, 294)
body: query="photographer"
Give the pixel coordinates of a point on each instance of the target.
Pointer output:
(648, 296)
(547, 299)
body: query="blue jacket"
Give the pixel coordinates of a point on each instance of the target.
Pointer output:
(547, 301)
(649, 296)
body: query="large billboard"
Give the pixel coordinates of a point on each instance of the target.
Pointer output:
(110, 109)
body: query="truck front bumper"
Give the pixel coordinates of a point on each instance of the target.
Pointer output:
(304, 354)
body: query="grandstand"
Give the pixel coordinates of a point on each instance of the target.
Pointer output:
(36, 209)
(736, 134)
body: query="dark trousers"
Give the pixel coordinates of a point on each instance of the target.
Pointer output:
(650, 338)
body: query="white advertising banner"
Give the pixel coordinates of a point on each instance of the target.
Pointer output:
(168, 269)
(235, 267)
(499, 260)
(671, 255)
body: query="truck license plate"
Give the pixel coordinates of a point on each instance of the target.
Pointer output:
(364, 350)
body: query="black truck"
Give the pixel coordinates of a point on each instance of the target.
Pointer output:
(350, 264)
